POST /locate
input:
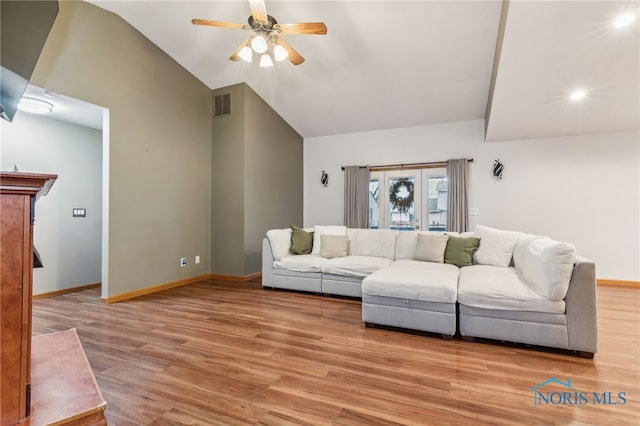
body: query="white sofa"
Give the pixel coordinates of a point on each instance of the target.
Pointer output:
(521, 288)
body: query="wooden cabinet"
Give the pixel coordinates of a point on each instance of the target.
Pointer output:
(18, 193)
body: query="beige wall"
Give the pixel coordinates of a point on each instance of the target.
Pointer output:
(273, 176)
(159, 147)
(227, 186)
(257, 181)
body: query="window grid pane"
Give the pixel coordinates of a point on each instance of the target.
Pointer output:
(402, 204)
(437, 203)
(374, 204)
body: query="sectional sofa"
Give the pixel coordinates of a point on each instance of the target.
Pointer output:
(492, 284)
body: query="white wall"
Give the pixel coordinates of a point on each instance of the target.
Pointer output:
(70, 247)
(581, 189)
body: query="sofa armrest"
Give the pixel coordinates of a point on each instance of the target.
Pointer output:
(581, 307)
(267, 264)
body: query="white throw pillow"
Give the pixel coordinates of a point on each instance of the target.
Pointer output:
(280, 240)
(496, 246)
(431, 247)
(547, 265)
(333, 246)
(325, 230)
(520, 252)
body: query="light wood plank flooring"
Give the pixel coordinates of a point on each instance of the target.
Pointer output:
(226, 354)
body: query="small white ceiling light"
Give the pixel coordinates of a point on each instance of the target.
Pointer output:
(577, 94)
(36, 106)
(624, 20)
(245, 54)
(259, 44)
(265, 61)
(280, 53)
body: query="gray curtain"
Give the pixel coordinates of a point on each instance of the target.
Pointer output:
(457, 205)
(356, 196)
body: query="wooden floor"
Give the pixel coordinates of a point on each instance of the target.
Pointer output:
(225, 354)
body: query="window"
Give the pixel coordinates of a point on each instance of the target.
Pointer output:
(408, 199)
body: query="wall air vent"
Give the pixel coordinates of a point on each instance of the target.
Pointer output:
(222, 105)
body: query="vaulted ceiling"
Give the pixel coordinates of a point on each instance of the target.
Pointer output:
(390, 64)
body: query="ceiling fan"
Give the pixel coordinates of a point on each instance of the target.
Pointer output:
(267, 34)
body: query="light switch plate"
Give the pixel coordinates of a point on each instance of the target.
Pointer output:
(474, 212)
(79, 212)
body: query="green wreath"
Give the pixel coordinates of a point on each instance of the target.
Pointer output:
(401, 202)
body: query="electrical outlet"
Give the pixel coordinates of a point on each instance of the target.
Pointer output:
(197, 259)
(183, 261)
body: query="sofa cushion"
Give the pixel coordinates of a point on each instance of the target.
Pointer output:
(407, 241)
(414, 280)
(521, 247)
(301, 241)
(547, 265)
(372, 242)
(431, 247)
(301, 263)
(354, 266)
(333, 246)
(497, 287)
(496, 246)
(325, 230)
(460, 250)
(280, 241)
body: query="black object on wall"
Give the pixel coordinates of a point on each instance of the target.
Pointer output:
(497, 170)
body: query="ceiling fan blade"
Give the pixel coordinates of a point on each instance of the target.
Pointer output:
(258, 10)
(234, 56)
(294, 57)
(302, 28)
(219, 24)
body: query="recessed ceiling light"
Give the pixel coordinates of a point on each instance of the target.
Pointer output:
(624, 20)
(37, 106)
(577, 95)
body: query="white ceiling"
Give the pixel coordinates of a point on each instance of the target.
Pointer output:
(390, 64)
(552, 48)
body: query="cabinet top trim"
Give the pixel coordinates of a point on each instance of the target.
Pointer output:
(33, 183)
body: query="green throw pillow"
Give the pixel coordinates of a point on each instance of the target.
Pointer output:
(301, 241)
(460, 250)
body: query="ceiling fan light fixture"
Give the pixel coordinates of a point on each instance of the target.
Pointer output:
(265, 61)
(265, 36)
(259, 44)
(280, 53)
(245, 54)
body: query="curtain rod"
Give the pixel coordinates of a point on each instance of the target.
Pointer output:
(408, 165)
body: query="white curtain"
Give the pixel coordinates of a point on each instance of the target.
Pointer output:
(356, 196)
(457, 205)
